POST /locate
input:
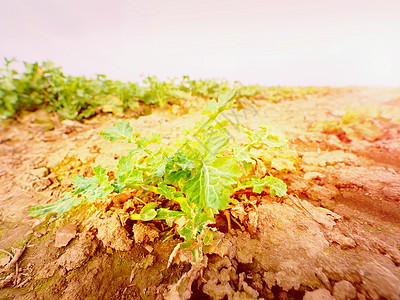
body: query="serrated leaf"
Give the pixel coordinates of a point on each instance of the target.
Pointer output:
(144, 141)
(258, 184)
(120, 131)
(157, 163)
(127, 173)
(177, 178)
(212, 184)
(61, 206)
(159, 168)
(178, 170)
(83, 183)
(208, 237)
(201, 219)
(94, 187)
(186, 228)
(190, 227)
(100, 174)
(225, 101)
(276, 186)
(242, 154)
(266, 136)
(185, 162)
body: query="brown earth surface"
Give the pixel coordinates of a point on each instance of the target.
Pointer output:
(336, 235)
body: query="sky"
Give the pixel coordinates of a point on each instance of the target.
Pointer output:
(270, 42)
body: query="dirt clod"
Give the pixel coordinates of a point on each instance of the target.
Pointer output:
(344, 290)
(313, 175)
(319, 294)
(64, 235)
(337, 237)
(79, 252)
(8, 280)
(144, 233)
(40, 172)
(379, 281)
(110, 231)
(328, 158)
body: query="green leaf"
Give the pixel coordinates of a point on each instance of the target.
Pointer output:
(179, 169)
(120, 131)
(185, 206)
(94, 187)
(214, 144)
(127, 173)
(266, 136)
(7, 84)
(177, 178)
(164, 213)
(185, 162)
(160, 168)
(276, 186)
(167, 191)
(186, 228)
(212, 184)
(190, 227)
(242, 154)
(147, 213)
(143, 142)
(208, 237)
(201, 219)
(61, 206)
(225, 101)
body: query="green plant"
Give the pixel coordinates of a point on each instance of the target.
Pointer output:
(45, 85)
(201, 176)
(160, 92)
(8, 91)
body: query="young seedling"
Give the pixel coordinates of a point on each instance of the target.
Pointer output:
(201, 175)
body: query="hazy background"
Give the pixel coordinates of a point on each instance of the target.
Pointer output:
(284, 42)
